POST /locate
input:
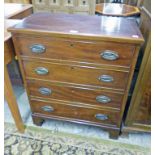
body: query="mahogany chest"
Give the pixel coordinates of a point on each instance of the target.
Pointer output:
(77, 68)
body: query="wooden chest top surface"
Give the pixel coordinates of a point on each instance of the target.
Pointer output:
(8, 23)
(12, 9)
(77, 26)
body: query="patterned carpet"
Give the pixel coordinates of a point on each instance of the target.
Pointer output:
(38, 141)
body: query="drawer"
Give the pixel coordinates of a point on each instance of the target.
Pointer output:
(69, 3)
(55, 3)
(83, 3)
(82, 51)
(56, 109)
(80, 75)
(61, 92)
(41, 3)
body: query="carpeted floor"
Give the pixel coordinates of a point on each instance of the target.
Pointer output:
(38, 141)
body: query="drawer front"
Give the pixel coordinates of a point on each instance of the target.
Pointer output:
(101, 53)
(75, 95)
(55, 3)
(83, 3)
(51, 108)
(76, 74)
(69, 3)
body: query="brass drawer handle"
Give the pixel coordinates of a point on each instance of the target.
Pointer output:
(38, 48)
(106, 78)
(103, 99)
(45, 91)
(101, 117)
(41, 70)
(109, 55)
(47, 108)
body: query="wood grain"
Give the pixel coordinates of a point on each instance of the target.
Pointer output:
(115, 9)
(9, 54)
(98, 28)
(73, 111)
(80, 95)
(80, 75)
(9, 51)
(139, 114)
(77, 50)
(17, 11)
(9, 96)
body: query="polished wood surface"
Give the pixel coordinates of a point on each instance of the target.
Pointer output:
(17, 11)
(98, 28)
(79, 75)
(77, 50)
(81, 113)
(139, 114)
(8, 23)
(18, 1)
(145, 104)
(75, 94)
(8, 90)
(72, 61)
(114, 9)
(8, 51)
(11, 100)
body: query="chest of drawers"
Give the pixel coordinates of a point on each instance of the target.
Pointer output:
(77, 68)
(67, 6)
